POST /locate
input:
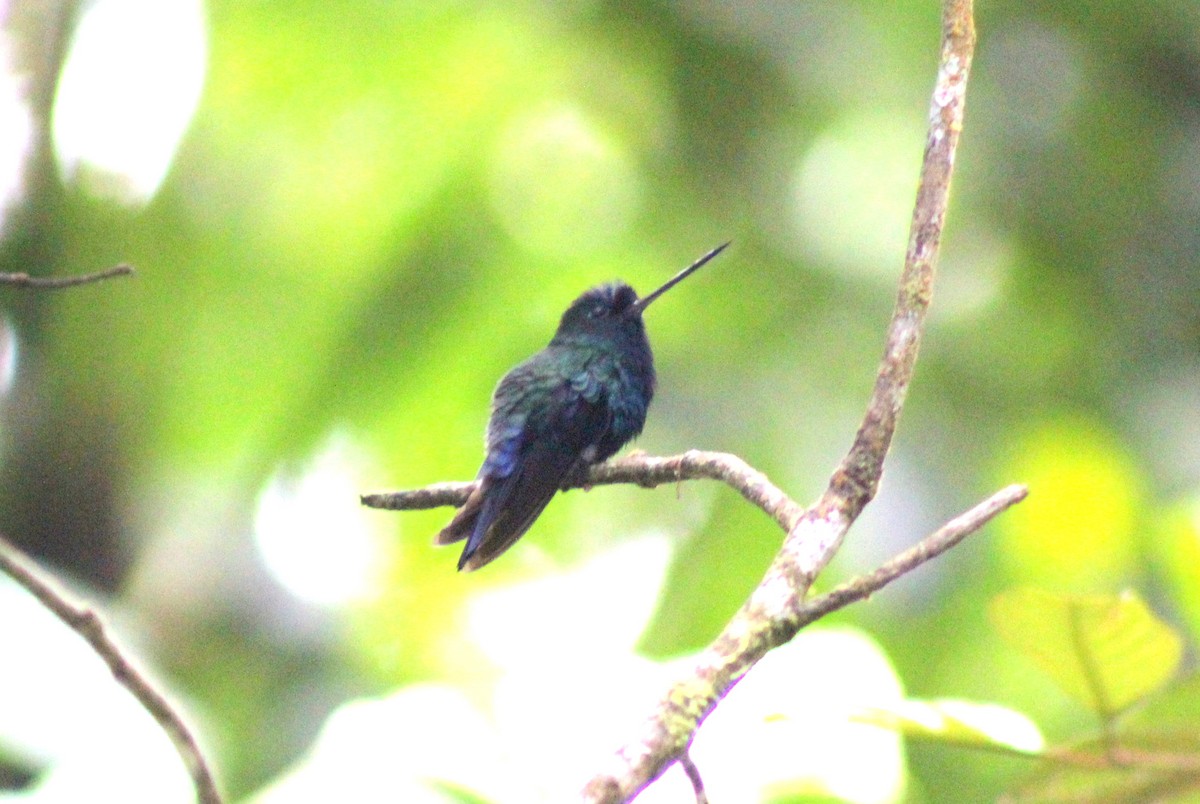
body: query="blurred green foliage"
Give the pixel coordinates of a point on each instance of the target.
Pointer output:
(1115, 657)
(378, 207)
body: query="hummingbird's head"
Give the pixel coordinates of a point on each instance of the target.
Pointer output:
(614, 311)
(604, 311)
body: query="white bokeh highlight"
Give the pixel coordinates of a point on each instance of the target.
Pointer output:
(853, 192)
(314, 536)
(16, 132)
(130, 85)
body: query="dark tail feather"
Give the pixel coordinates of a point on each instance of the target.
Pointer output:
(513, 503)
(463, 523)
(488, 542)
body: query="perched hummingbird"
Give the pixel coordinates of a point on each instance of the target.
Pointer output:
(573, 404)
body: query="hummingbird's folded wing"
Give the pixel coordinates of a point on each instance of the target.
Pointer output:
(550, 448)
(513, 503)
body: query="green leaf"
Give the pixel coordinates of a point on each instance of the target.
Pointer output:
(964, 723)
(1106, 651)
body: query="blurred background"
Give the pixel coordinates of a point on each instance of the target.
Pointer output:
(349, 220)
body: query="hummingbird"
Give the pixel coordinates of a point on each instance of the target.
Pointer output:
(571, 405)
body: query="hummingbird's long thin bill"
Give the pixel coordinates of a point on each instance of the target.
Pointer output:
(644, 302)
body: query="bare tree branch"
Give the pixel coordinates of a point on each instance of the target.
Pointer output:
(640, 469)
(435, 495)
(84, 621)
(55, 283)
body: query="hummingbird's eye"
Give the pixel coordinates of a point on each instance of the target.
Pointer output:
(598, 311)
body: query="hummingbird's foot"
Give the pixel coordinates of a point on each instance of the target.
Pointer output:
(577, 477)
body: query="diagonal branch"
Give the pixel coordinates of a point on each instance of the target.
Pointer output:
(84, 621)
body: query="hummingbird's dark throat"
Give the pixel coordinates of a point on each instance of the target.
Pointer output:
(644, 302)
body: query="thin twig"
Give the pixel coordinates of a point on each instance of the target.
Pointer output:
(930, 547)
(54, 283)
(693, 774)
(84, 621)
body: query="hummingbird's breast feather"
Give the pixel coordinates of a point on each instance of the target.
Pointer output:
(626, 388)
(586, 400)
